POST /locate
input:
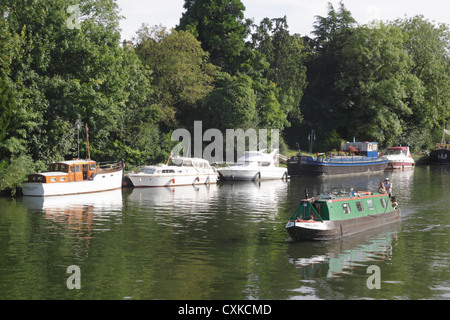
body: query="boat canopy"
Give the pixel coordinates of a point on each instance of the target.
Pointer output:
(259, 156)
(190, 162)
(398, 151)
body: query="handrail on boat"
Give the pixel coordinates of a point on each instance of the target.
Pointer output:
(303, 205)
(110, 165)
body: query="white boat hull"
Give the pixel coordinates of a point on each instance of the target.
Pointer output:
(141, 180)
(398, 162)
(101, 182)
(248, 173)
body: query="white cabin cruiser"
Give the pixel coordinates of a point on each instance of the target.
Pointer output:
(399, 158)
(182, 171)
(255, 165)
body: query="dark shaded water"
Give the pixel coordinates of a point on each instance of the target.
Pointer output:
(225, 241)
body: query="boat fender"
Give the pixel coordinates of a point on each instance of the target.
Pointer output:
(173, 180)
(197, 179)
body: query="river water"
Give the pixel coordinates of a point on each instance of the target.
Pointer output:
(224, 242)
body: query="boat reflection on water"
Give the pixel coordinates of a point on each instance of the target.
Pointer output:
(164, 198)
(78, 216)
(333, 259)
(252, 198)
(95, 202)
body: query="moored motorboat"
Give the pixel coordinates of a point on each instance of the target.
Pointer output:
(340, 214)
(399, 158)
(75, 176)
(180, 172)
(255, 165)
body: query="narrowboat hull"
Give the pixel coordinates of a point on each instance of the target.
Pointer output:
(101, 182)
(307, 166)
(304, 230)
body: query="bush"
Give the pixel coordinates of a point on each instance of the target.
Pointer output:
(13, 173)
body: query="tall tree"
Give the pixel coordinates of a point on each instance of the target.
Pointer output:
(64, 62)
(220, 27)
(428, 44)
(319, 101)
(286, 55)
(181, 75)
(375, 84)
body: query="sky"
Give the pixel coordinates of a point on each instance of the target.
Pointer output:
(300, 13)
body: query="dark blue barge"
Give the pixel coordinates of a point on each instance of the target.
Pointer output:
(364, 158)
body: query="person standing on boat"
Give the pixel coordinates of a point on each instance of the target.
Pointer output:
(388, 186)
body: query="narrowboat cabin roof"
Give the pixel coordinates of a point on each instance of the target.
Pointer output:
(344, 205)
(341, 214)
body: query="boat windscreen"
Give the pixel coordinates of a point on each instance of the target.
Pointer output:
(149, 170)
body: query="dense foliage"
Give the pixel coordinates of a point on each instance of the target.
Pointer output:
(386, 82)
(63, 60)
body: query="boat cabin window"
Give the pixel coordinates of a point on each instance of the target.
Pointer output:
(62, 179)
(396, 152)
(168, 171)
(383, 202)
(187, 163)
(370, 204)
(58, 167)
(92, 166)
(359, 206)
(38, 178)
(346, 208)
(52, 179)
(72, 169)
(149, 171)
(198, 164)
(77, 167)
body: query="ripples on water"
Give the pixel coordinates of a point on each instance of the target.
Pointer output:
(224, 241)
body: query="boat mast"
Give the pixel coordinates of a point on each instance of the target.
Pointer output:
(87, 139)
(311, 138)
(78, 124)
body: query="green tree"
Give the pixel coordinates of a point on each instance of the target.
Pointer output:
(62, 62)
(286, 55)
(181, 75)
(319, 103)
(428, 44)
(376, 85)
(232, 104)
(220, 27)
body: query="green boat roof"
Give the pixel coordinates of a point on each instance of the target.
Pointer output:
(342, 205)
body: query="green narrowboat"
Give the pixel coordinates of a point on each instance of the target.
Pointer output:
(340, 214)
